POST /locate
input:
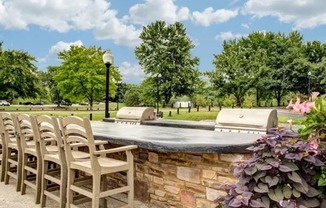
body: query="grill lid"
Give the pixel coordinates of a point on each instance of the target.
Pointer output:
(256, 121)
(134, 115)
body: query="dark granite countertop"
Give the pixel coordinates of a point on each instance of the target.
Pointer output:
(169, 139)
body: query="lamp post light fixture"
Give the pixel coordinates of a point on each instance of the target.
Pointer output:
(108, 61)
(309, 77)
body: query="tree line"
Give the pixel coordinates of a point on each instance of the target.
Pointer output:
(262, 66)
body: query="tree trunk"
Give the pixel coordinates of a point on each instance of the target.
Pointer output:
(238, 100)
(257, 97)
(278, 96)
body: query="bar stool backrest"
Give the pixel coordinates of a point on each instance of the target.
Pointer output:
(9, 127)
(78, 130)
(49, 134)
(27, 131)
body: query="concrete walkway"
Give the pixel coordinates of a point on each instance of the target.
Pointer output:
(9, 198)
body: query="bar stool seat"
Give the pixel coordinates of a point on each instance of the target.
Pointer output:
(107, 165)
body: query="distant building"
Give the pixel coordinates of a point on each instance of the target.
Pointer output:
(182, 104)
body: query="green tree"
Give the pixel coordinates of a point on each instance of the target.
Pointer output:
(165, 56)
(121, 91)
(53, 85)
(18, 75)
(315, 53)
(132, 95)
(285, 64)
(81, 74)
(268, 62)
(44, 83)
(255, 46)
(232, 75)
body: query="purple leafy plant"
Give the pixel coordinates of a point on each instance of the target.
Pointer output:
(281, 173)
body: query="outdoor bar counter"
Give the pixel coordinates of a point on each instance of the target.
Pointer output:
(177, 167)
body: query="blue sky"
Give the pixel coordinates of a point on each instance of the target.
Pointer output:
(45, 27)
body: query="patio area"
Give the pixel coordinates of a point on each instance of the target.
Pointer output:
(10, 198)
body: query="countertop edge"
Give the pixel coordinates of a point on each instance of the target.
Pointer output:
(173, 147)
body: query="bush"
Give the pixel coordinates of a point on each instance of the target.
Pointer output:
(229, 101)
(200, 100)
(248, 101)
(132, 97)
(281, 173)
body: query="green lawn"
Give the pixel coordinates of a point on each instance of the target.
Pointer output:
(98, 112)
(203, 114)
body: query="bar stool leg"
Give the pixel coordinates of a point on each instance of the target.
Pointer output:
(44, 183)
(96, 190)
(24, 174)
(103, 201)
(19, 171)
(7, 167)
(38, 181)
(63, 186)
(71, 179)
(3, 164)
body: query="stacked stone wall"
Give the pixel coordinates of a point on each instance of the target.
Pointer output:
(181, 180)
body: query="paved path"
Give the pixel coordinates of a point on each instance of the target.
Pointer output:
(9, 198)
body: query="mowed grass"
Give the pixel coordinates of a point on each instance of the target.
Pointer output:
(96, 115)
(113, 106)
(63, 111)
(296, 121)
(193, 115)
(98, 112)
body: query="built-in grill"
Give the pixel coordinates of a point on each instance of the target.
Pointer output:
(253, 121)
(134, 115)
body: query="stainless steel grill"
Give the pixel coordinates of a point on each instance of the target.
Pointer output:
(134, 115)
(253, 121)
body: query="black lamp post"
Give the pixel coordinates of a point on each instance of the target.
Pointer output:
(309, 76)
(118, 84)
(158, 94)
(108, 61)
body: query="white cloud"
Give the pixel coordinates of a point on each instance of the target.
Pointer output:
(114, 29)
(245, 26)
(229, 36)
(153, 10)
(131, 73)
(41, 60)
(301, 13)
(61, 46)
(55, 49)
(63, 16)
(209, 16)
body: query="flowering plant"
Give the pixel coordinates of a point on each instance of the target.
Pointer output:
(314, 127)
(281, 173)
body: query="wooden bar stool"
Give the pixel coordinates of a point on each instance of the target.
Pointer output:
(13, 152)
(31, 155)
(52, 153)
(97, 165)
(2, 152)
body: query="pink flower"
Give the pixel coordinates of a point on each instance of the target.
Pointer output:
(305, 107)
(314, 95)
(296, 106)
(302, 108)
(297, 102)
(314, 144)
(290, 105)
